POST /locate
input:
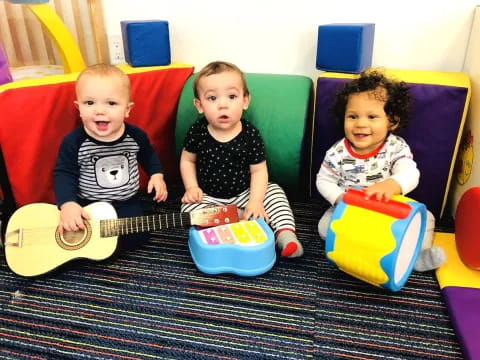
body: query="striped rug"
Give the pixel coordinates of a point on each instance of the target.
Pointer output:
(153, 303)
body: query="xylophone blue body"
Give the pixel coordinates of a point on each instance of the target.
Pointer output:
(245, 248)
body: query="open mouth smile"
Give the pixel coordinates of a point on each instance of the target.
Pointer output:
(361, 135)
(101, 125)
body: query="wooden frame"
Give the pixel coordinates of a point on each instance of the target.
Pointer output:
(26, 42)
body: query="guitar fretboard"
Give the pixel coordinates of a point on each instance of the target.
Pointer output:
(138, 224)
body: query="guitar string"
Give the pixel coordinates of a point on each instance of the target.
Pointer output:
(120, 226)
(43, 235)
(146, 223)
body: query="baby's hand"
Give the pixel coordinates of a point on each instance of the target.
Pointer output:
(383, 190)
(254, 210)
(156, 182)
(192, 195)
(71, 217)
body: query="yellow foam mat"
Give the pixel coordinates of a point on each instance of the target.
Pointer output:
(446, 78)
(454, 272)
(55, 79)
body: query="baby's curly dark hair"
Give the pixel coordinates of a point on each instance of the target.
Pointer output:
(397, 98)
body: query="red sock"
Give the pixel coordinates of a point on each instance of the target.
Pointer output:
(289, 249)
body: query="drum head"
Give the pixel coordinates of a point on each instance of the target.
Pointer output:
(409, 248)
(466, 228)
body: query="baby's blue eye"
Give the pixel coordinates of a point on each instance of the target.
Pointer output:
(232, 97)
(212, 98)
(89, 102)
(112, 103)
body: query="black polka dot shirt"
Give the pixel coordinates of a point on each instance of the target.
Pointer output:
(223, 169)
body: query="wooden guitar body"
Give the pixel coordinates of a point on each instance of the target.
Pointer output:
(33, 245)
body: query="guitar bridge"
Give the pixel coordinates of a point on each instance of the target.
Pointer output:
(19, 240)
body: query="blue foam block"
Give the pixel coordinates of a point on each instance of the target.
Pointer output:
(146, 43)
(345, 48)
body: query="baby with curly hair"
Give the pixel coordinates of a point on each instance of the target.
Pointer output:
(370, 156)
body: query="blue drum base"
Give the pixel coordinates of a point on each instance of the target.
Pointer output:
(243, 256)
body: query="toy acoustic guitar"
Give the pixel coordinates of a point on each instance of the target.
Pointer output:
(34, 246)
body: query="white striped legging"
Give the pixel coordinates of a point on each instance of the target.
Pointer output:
(276, 205)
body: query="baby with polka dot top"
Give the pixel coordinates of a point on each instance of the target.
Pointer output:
(223, 160)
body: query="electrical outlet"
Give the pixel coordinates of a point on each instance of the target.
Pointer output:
(115, 48)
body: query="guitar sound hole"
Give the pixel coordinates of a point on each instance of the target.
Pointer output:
(74, 240)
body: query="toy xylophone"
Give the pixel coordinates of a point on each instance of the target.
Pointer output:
(245, 248)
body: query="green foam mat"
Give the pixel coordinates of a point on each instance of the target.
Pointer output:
(280, 109)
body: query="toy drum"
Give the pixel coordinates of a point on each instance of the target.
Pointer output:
(376, 241)
(245, 248)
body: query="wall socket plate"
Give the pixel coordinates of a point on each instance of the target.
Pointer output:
(115, 48)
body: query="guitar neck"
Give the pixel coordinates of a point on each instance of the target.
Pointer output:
(138, 224)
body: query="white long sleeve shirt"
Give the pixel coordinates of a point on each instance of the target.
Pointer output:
(342, 168)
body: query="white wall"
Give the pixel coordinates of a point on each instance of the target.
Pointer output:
(468, 152)
(280, 36)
